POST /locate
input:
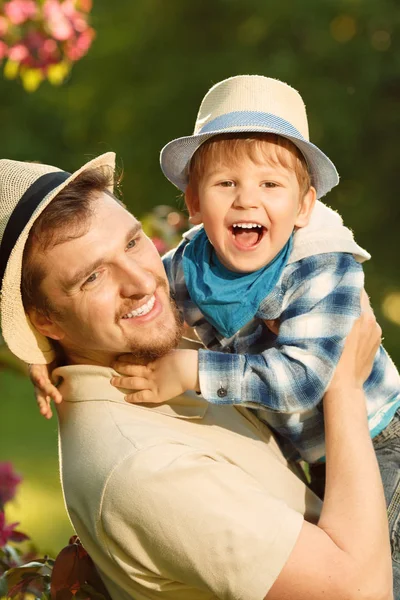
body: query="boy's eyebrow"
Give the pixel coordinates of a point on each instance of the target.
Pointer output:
(267, 167)
(88, 269)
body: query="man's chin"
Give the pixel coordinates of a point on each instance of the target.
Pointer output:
(165, 339)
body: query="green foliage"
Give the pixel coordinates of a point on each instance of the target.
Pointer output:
(140, 86)
(152, 61)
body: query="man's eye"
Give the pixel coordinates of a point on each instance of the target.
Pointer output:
(91, 278)
(131, 244)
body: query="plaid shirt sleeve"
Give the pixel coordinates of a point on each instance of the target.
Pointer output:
(321, 300)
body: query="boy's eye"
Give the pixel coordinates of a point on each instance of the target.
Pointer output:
(269, 184)
(227, 184)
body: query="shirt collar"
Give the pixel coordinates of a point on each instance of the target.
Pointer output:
(90, 383)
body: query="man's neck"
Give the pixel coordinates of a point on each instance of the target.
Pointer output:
(100, 359)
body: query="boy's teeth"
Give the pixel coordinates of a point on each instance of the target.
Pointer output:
(143, 310)
(247, 225)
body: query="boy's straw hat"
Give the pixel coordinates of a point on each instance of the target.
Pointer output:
(255, 104)
(26, 189)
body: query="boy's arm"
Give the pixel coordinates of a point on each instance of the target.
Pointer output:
(321, 302)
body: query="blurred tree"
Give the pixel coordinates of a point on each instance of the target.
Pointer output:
(152, 62)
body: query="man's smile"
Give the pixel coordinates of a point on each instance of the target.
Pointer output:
(142, 310)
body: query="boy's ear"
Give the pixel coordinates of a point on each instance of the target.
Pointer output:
(193, 206)
(45, 325)
(306, 208)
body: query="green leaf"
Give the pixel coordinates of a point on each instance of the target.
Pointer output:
(3, 586)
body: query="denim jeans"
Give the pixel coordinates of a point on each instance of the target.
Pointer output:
(387, 448)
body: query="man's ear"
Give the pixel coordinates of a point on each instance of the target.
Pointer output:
(306, 208)
(193, 206)
(45, 325)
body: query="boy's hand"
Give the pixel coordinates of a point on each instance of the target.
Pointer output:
(159, 380)
(45, 391)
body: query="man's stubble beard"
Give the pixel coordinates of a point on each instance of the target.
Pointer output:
(167, 340)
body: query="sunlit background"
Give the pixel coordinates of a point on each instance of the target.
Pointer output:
(135, 81)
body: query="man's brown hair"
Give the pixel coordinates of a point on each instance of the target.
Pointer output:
(66, 217)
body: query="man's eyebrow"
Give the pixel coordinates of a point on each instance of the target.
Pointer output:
(81, 274)
(88, 269)
(134, 231)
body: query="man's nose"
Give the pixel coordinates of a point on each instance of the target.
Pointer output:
(136, 280)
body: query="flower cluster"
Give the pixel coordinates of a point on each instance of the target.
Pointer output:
(23, 575)
(9, 481)
(41, 39)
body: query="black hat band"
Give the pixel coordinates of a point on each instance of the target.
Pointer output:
(24, 210)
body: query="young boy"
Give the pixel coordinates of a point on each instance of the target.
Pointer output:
(269, 278)
(265, 252)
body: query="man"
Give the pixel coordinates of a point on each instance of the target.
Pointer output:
(183, 500)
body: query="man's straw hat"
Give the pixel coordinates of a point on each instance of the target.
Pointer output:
(250, 103)
(26, 189)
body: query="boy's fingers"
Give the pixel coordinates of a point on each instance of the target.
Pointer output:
(143, 397)
(55, 394)
(44, 406)
(46, 412)
(50, 390)
(131, 370)
(132, 383)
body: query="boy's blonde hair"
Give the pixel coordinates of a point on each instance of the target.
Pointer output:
(232, 147)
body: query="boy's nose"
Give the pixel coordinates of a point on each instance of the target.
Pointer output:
(246, 199)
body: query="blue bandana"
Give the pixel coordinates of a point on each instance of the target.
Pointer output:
(228, 300)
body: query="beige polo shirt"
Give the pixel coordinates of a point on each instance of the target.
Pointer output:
(182, 501)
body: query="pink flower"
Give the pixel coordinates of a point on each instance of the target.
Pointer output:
(9, 481)
(19, 11)
(8, 532)
(18, 53)
(4, 25)
(36, 51)
(58, 24)
(78, 46)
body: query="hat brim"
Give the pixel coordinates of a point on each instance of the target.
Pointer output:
(175, 157)
(17, 330)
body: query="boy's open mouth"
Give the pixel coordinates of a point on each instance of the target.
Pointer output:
(247, 235)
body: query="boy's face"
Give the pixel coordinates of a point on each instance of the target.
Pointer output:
(249, 208)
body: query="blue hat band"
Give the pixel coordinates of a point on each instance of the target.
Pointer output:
(251, 118)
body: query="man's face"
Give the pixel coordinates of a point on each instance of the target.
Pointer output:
(109, 291)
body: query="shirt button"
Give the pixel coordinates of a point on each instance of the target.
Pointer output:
(221, 393)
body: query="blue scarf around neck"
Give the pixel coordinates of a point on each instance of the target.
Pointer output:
(228, 300)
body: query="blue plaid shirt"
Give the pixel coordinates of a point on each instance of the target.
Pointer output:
(284, 377)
